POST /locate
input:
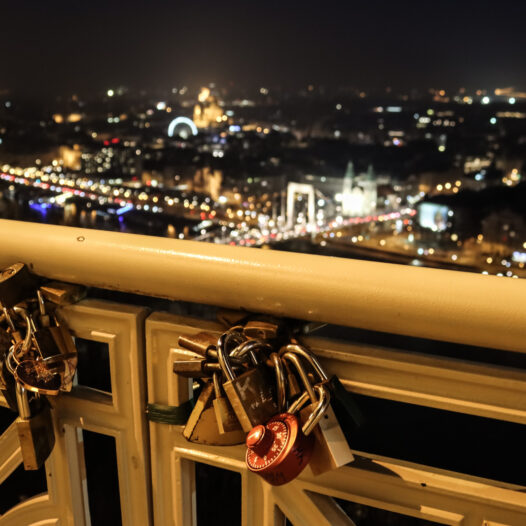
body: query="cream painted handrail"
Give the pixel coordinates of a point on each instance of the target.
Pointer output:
(428, 303)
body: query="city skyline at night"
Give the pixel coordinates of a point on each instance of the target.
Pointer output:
(293, 226)
(391, 131)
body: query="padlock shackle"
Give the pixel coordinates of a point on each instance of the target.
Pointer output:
(222, 352)
(8, 319)
(22, 402)
(324, 397)
(281, 382)
(298, 403)
(293, 358)
(249, 347)
(41, 304)
(30, 327)
(308, 355)
(9, 358)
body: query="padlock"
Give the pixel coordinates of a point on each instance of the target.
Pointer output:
(35, 432)
(202, 426)
(225, 415)
(198, 368)
(47, 341)
(36, 376)
(202, 343)
(261, 329)
(333, 450)
(16, 285)
(66, 362)
(62, 293)
(52, 343)
(35, 366)
(279, 450)
(345, 407)
(251, 393)
(195, 368)
(231, 317)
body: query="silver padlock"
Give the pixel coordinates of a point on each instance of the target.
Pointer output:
(334, 451)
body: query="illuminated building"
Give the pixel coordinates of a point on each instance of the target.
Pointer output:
(71, 157)
(208, 181)
(207, 112)
(359, 194)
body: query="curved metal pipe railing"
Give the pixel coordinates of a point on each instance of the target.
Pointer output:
(428, 303)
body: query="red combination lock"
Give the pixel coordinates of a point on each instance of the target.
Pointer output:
(278, 451)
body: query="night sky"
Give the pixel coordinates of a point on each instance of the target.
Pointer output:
(56, 47)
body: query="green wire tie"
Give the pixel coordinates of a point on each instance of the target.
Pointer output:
(174, 415)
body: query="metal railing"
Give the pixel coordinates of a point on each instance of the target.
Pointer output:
(426, 303)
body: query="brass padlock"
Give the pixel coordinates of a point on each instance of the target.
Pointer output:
(35, 433)
(62, 293)
(333, 450)
(225, 415)
(261, 329)
(251, 393)
(195, 368)
(202, 343)
(202, 426)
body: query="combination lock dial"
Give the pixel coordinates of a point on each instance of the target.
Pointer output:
(278, 451)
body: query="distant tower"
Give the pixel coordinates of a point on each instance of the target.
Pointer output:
(347, 189)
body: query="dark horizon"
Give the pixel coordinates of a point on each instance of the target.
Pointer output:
(56, 49)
